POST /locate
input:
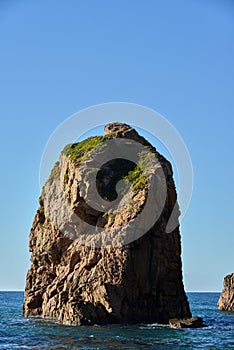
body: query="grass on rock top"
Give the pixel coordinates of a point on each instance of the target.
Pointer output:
(78, 151)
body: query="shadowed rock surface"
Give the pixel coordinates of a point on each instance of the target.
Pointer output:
(74, 280)
(226, 300)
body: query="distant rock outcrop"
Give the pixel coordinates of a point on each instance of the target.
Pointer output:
(226, 300)
(78, 280)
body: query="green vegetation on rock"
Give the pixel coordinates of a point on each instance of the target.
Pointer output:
(66, 178)
(53, 175)
(78, 151)
(54, 172)
(122, 169)
(137, 178)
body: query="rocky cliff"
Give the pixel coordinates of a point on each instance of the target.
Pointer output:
(226, 300)
(107, 258)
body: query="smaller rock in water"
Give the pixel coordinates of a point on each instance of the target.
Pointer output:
(226, 300)
(193, 322)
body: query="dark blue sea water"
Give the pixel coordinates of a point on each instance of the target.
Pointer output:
(17, 332)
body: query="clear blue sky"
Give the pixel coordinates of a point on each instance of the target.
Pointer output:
(176, 57)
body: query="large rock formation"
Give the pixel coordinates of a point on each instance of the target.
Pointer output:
(226, 300)
(93, 266)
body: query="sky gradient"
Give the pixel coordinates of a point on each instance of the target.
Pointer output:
(58, 57)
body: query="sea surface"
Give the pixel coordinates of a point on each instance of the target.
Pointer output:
(18, 332)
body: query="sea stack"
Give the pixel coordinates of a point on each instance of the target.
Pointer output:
(93, 266)
(226, 300)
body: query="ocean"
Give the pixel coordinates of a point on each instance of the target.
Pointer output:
(18, 332)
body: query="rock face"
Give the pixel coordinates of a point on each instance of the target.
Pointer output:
(226, 300)
(78, 275)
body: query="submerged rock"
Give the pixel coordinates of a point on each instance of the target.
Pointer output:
(193, 322)
(226, 300)
(90, 264)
